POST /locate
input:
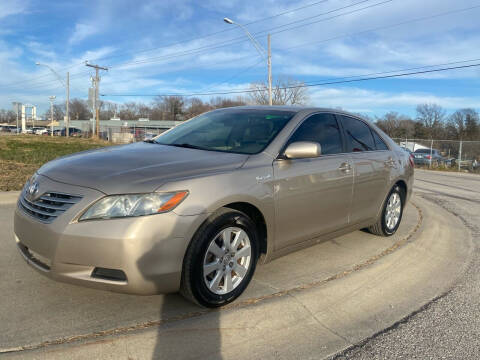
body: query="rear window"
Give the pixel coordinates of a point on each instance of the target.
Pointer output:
(358, 135)
(423, 151)
(379, 143)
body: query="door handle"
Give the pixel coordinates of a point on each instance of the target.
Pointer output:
(345, 167)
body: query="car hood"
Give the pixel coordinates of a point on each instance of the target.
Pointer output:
(138, 167)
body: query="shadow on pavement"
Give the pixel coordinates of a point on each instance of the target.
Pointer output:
(192, 338)
(186, 331)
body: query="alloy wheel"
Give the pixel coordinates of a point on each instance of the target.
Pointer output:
(227, 260)
(394, 207)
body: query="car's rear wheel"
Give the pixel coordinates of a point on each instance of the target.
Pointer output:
(392, 212)
(221, 259)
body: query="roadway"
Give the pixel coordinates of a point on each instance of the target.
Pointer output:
(449, 327)
(314, 303)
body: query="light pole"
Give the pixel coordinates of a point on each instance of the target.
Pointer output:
(266, 55)
(51, 98)
(67, 87)
(16, 106)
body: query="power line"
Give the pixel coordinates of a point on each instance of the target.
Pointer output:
(218, 32)
(42, 84)
(388, 26)
(242, 39)
(44, 75)
(384, 27)
(263, 33)
(260, 33)
(309, 85)
(395, 71)
(182, 41)
(241, 72)
(227, 43)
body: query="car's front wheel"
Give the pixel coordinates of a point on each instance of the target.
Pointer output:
(392, 213)
(221, 259)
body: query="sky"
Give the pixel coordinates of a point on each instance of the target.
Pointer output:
(183, 47)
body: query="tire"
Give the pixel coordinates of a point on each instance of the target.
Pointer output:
(386, 228)
(205, 279)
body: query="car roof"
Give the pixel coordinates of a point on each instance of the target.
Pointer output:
(295, 109)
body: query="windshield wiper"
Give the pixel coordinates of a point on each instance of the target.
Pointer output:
(188, 146)
(150, 141)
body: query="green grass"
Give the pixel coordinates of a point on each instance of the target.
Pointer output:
(22, 155)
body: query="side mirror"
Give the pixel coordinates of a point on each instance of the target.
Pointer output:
(303, 150)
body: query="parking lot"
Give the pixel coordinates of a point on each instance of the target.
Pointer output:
(314, 303)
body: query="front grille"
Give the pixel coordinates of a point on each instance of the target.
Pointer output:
(48, 206)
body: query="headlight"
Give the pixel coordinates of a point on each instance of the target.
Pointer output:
(116, 206)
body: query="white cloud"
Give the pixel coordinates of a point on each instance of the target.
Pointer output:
(368, 101)
(81, 32)
(12, 7)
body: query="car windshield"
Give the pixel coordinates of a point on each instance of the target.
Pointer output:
(242, 131)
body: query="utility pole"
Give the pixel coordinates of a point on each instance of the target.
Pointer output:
(51, 98)
(97, 87)
(16, 106)
(67, 127)
(16, 130)
(460, 156)
(269, 62)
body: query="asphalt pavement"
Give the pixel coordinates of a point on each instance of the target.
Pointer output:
(449, 327)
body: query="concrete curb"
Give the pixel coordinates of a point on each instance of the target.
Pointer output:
(9, 197)
(450, 173)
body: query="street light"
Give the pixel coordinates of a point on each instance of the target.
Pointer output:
(67, 87)
(266, 55)
(51, 98)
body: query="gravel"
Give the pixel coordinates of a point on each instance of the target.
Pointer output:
(448, 327)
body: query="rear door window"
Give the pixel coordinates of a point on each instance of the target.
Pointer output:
(379, 143)
(357, 135)
(322, 129)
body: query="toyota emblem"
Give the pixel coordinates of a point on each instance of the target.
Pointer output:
(33, 189)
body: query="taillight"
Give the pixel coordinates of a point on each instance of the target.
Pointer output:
(428, 157)
(410, 159)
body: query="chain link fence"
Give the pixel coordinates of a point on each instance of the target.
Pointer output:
(454, 155)
(120, 134)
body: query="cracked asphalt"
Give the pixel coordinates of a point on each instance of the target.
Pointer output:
(449, 327)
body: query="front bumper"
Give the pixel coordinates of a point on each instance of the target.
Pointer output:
(149, 249)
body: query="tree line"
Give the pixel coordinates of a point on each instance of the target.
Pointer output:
(431, 121)
(284, 92)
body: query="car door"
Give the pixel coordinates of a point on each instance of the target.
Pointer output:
(312, 196)
(372, 162)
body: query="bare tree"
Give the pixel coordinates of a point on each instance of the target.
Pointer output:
(396, 125)
(285, 92)
(220, 102)
(79, 110)
(464, 124)
(432, 116)
(196, 106)
(108, 110)
(129, 111)
(144, 111)
(7, 116)
(168, 107)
